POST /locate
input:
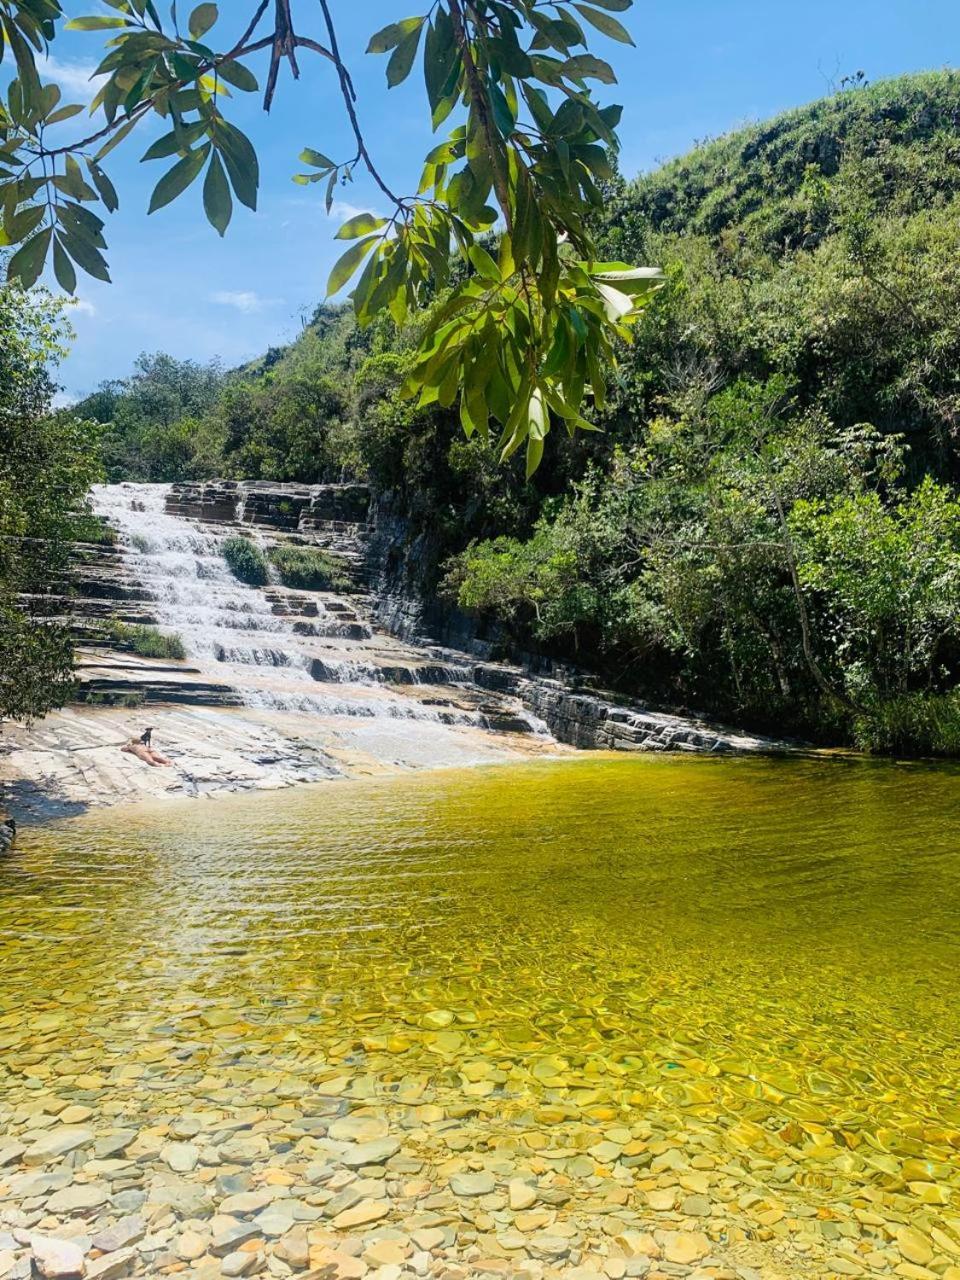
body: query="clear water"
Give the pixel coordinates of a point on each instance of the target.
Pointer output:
(751, 962)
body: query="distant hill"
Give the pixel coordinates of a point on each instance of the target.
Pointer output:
(904, 133)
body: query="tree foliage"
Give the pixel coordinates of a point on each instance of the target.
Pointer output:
(524, 335)
(47, 463)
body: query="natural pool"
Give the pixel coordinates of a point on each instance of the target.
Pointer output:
(602, 1016)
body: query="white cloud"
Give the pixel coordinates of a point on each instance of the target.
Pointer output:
(72, 76)
(83, 307)
(241, 300)
(342, 210)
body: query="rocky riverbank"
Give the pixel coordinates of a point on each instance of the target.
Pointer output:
(285, 684)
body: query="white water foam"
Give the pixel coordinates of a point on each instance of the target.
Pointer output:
(229, 630)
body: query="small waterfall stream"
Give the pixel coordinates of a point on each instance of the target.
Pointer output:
(233, 634)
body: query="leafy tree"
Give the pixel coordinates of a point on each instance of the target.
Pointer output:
(152, 419)
(47, 463)
(524, 334)
(888, 580)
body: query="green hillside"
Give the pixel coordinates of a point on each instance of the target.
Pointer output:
(766, 524)
(902, 135)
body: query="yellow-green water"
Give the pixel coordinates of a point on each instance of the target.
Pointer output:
(752, 963)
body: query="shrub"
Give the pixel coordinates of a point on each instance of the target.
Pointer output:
(147, 641)
(110, 698)
(247, 562)
(94, 529)
(310, 569)
(916, 724)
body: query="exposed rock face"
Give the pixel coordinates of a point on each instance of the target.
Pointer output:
(595, 721)
(8, 832)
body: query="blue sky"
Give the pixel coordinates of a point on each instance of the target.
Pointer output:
(700, 68)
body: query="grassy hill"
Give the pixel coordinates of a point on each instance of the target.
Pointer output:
(903, 134)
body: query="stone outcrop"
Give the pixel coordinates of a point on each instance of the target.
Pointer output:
(597, 721)
(8, 832)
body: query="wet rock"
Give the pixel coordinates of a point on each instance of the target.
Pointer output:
(376, 1152)
(182, 1157)
(78, 1198)
(914, 1246)
(293, 1248)
(230, 1238)
(57, 1259)
(242, 1263)
(191, 1245)
(123, 1233)
(685, 1247)
(112, 1265)
(521, 1195)
(358, 1128)
(247, 1203)
(113, 1144)
(334, 1264)
(472, 1184)
(57, 1143)
(343, 1200)
(363, 1213)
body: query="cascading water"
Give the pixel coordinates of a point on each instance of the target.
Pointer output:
(231, 632)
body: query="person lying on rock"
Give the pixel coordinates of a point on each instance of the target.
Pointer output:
(136, 747)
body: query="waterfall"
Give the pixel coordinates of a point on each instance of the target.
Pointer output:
(231, 632)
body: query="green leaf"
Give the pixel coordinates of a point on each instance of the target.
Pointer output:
(361, 225)
(603, 22)
(176, 180)
(176, 140)
(614, 6)
(238, 75)
(86, 255)
(202, 19)
(502, 115)
(348, 263)
(401, 60)
(64, 113)
(96, 22)
(316, 158)
(105, 188)
(393, 34)
(63, 268)
(217, 201)
(440, 58)
(117, 138)
(586, 67)
(27, 263)
(24, 223)
(242, 165)
(483, 264)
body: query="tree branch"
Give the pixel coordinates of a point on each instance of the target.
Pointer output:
(349, 97)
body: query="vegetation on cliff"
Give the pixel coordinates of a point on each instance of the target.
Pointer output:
(47, 463)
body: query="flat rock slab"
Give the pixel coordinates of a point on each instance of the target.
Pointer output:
(57, 1259)
(363, 1153)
